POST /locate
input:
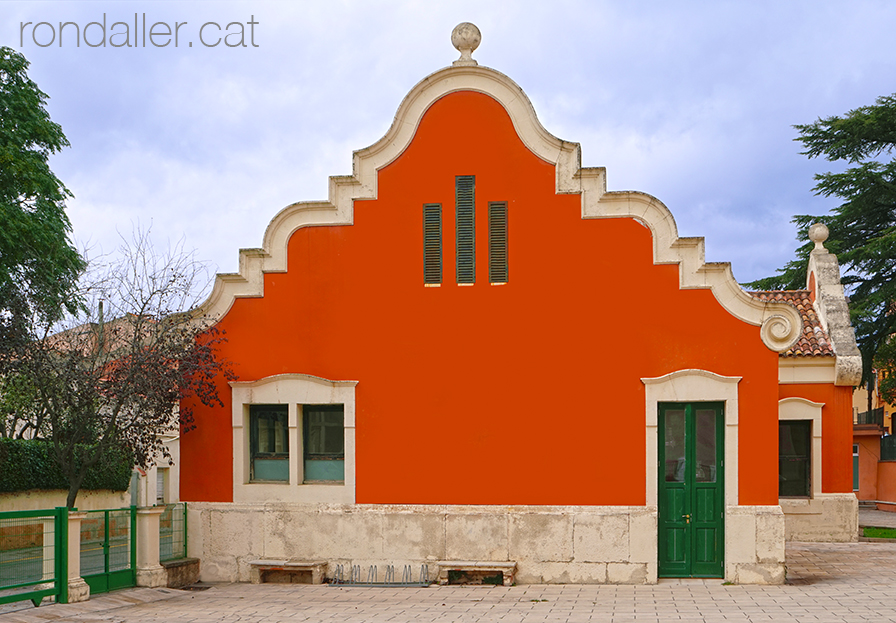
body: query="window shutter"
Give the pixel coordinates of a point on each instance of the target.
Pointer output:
(465, 199)
(497, 242)
(432, 243)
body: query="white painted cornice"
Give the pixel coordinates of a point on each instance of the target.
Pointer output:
(780, 322)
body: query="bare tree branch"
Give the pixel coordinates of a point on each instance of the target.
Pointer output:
(115, 373)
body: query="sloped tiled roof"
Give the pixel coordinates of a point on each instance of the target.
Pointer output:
(813, 342)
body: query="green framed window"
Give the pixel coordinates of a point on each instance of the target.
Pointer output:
(465, 202)
(268, 443)
(432, 243)
(795, 459)
(324, 442)
(497, 242)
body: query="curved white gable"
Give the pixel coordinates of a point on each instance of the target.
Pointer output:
(780, 322)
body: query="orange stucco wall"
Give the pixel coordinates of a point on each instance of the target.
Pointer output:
(525, 393)
(836, 428)
(886, 486)
(869, 455)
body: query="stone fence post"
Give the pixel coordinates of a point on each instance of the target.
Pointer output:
(77, 587)
(149, 571)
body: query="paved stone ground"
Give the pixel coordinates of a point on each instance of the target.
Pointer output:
(881, 519)
(827, 582)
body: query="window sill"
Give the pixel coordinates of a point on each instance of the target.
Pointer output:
(339, 483)
(268, 482)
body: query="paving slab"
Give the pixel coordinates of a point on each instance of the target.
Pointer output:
(826, 583)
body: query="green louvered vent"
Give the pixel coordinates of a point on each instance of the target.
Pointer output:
(432, 243)
(465, 198)
(497, 242)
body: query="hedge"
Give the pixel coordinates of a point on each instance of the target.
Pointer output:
(27, 464)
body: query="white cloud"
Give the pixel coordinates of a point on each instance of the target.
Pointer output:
(690, 101)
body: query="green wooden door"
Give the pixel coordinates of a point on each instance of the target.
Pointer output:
(691, 493)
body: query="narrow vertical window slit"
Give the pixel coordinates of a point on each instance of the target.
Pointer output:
(432, 243)
(465, 199)
(497, 242)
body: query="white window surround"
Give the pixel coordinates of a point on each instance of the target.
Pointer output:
(801, 409)
(292, 390)
(692, 386)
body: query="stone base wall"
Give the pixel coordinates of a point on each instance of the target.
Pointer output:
(754, 545)
(827, 517)
(551, 545)
(183, 572)
(577, 545)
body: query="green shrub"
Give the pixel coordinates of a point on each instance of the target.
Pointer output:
(27, 464)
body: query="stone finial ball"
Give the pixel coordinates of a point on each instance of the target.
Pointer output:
(818, 233)
(466, 38)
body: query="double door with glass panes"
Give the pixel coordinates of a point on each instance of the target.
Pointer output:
(691, 492)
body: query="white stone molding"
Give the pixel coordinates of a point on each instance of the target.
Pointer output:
(801, 409)
(780, 322)
(692, 386)
(832, 309)
(792, 370)
(292, 390)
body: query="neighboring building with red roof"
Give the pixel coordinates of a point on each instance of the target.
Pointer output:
(446, 364)
(816, 378)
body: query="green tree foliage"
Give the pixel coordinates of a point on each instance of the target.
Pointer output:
(27, 464)
(39, 267)
(863, 226)
(98, 386)
(885, 360)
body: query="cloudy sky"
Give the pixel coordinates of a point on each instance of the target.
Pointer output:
(692, 102)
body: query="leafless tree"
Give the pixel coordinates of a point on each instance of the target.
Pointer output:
(117, 372)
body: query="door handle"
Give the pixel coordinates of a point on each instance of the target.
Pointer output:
(687, 518)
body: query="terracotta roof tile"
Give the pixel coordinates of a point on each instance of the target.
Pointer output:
(814, 342)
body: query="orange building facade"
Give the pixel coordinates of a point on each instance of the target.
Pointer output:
(474, 353)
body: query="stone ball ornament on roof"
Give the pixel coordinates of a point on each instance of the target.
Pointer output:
(818, 233)
(466, 38)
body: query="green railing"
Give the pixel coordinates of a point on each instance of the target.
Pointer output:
(33, 555)
(173, 532)
(874, 416)
(109, 549)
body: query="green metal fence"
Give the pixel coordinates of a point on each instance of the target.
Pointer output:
(33, 555)
(109, 549)
(173, 532)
